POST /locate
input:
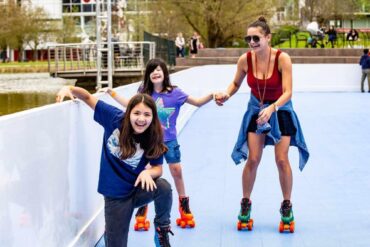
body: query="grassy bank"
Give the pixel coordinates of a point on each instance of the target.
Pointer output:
(23, 67)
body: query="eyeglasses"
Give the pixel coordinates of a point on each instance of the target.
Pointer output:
(255, 38)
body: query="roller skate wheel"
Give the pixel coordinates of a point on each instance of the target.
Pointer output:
(191, 223)
(250, 225)
(245, 225)
(281, 227)
(136, 228)
(291, 228)
(182, 224)
(147, 225)
(239, 225)
(178, 221)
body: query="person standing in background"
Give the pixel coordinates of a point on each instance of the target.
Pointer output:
(180, 45)
(332, 35)
(194, 44)
(352, 36)
(365, 66)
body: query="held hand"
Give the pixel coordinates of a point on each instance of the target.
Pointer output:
(265, 114)
(146, 181)
(220, 98)
(64, 92)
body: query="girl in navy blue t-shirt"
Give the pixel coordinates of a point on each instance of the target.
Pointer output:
(131, 140)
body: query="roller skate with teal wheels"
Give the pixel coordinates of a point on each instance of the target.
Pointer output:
(141, 222)
(287, 217)
(186, 217)
(244, 217)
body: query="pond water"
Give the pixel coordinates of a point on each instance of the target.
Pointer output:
(19, 92)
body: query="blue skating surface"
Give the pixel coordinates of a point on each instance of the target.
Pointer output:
(330, 197)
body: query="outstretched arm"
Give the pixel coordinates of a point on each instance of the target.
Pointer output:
(77, 92)
(199, 101)
(234, 86)
(120, 99)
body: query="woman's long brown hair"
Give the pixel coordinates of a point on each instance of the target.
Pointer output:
(151, 140)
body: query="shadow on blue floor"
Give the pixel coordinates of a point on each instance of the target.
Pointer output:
(330, 197)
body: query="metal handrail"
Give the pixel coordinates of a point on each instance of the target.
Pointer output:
(127, 56)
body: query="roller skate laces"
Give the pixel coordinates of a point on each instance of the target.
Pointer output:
(245, 222)
(141, 222)
(287, 217)
(161, 238)
(186, 217)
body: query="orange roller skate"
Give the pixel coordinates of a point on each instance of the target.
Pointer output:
(287, 217)
(186, 217)
(244, 217)
(141, 222)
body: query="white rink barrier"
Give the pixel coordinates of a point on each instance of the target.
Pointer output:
(49, 156)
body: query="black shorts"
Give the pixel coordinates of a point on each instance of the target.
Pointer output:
(286, 125)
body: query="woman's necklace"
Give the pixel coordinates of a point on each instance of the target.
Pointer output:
(264, 77)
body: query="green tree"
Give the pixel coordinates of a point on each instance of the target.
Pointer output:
(22, 25)
(218, 22)
(38, 28)
(7, 37)
(68, 31)
(18, 28)
(325, 10)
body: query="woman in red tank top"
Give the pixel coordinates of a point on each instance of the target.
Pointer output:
(269, 75)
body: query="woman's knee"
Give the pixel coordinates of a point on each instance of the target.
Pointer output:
(282, 162)
(253, 162)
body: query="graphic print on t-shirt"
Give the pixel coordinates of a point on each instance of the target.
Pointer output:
(113, 146)
(164, 113)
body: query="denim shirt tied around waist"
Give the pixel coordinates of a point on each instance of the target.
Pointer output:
(240, 151)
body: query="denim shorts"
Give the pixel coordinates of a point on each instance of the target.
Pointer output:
(173, 155)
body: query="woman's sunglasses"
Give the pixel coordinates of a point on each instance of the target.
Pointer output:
(255, 38)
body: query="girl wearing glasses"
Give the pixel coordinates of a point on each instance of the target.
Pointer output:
(269, 119)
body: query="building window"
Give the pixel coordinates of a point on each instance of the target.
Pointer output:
(80, 6)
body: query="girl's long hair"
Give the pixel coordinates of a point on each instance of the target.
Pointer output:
(147, 85)
(151, 140)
